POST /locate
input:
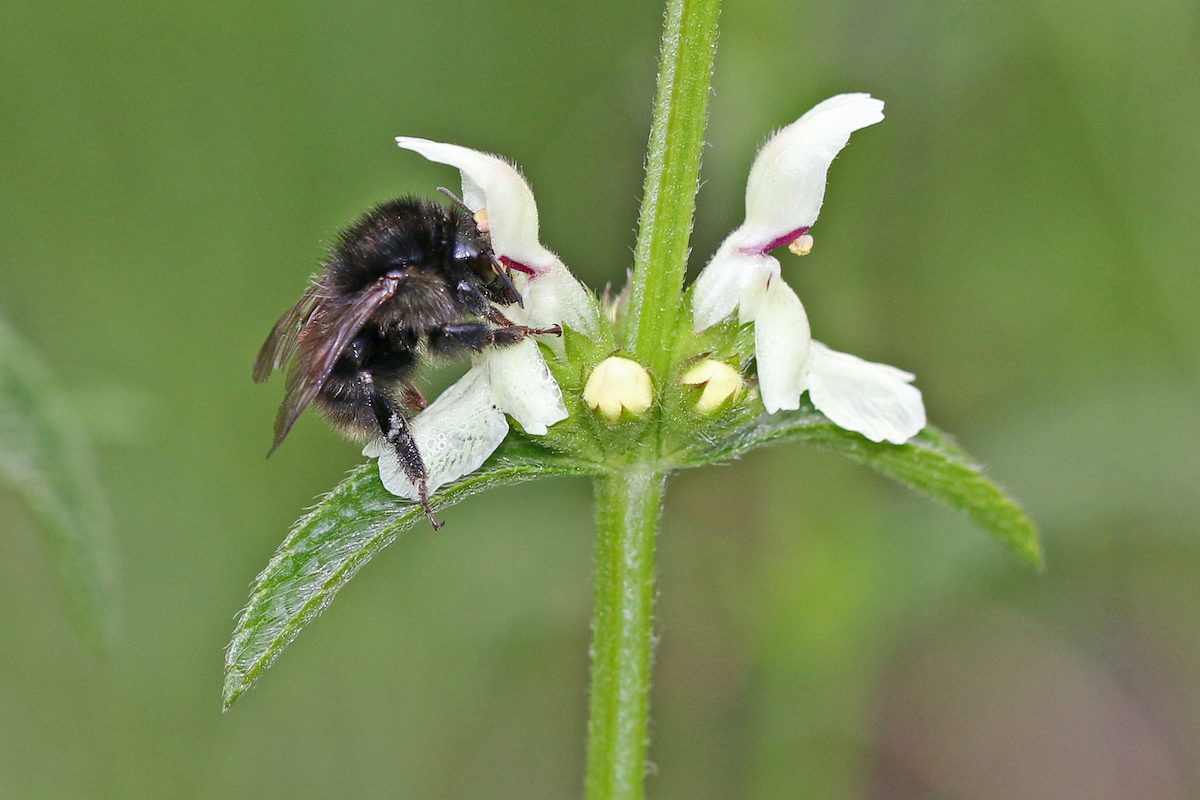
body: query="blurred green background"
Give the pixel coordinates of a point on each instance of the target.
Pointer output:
(1020, 232)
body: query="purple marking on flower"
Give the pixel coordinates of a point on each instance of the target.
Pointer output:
(780, 241)
(519, 267)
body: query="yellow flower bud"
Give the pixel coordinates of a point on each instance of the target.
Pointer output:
(720, 381)
(618, 384)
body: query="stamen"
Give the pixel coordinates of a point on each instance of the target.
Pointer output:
(802, 246)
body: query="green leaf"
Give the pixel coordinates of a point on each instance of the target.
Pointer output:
(46, 460)
(327, 546)
(931, 462)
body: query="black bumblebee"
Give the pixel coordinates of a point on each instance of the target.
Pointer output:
(411, 277)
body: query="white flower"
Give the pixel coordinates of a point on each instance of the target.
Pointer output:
(460, 429)
(783, 198)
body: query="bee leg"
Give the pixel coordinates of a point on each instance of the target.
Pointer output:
(395, 429)
(515, 333)
(458, 336)
(493, 314)
(424, 490)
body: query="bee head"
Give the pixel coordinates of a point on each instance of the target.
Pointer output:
(501, 286)
(492, 273)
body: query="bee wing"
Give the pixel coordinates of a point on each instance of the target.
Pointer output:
(284, 337)
(321, 343)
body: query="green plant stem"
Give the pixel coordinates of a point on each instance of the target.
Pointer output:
(627, 512)
(628, 501)
(672, 174)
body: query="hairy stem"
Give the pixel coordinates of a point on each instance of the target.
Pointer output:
(672, 175)
(628, 502)
(627, 511)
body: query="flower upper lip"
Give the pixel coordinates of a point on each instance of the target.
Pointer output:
(552, 295)
(786, 186)
(489, 182)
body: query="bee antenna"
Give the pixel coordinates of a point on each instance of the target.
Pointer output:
(457, 200)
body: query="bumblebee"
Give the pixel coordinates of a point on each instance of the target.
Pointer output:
(411, 279)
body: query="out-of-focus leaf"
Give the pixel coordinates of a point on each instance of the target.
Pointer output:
(115, 414)
(45, 458)
(348, 526)
(930, 462)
